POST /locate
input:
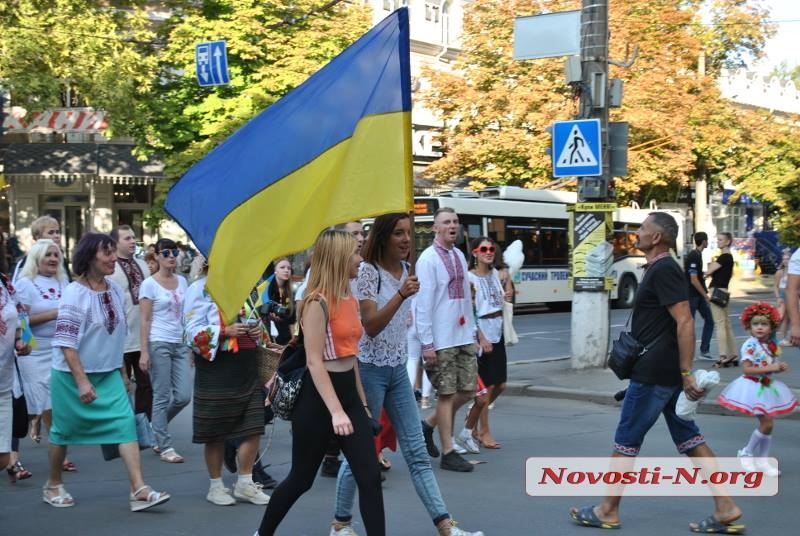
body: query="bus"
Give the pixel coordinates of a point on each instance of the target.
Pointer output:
(539, 219)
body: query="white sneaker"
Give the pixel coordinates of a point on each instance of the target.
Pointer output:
(764, 466)
(785, 342)
(458, 448)
(220, 496)
(250, 492)
(467, 442)
(345, 530)
(746, 459)
(455, 531)
(425, 403)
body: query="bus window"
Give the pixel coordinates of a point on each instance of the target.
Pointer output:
(555, 249)
(529, 236)
(624, 241)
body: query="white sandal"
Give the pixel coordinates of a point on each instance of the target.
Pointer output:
(154, 498)
(170, 456)
(61, 500)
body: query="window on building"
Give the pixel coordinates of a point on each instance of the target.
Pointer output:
(391, 5)
(432, 12)
(446, 23)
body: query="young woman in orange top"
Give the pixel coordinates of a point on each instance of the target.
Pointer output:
(333, 402)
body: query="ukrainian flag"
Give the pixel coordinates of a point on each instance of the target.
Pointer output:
(335, 149)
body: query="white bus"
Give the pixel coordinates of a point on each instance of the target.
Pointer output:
(539, 219)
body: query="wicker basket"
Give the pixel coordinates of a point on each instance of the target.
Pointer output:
(268, 358)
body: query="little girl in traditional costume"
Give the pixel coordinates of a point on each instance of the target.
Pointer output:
(755, 392)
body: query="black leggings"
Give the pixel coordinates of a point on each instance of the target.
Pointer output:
(311, 429)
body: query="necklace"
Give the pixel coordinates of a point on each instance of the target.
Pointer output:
(49, 293)
(91, 286)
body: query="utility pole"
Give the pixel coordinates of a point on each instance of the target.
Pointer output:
(590, 309)
(701, 218)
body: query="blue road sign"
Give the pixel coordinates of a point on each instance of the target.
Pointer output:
(211, 59)
(576, 148)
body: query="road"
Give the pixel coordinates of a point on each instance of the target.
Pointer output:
(545, 336)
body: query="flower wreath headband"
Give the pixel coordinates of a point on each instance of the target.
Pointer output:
(761, 309)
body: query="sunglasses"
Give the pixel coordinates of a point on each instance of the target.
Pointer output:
(166, 253)
(484, 249)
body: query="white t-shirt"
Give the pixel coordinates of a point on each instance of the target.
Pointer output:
(794, 263)
(167, 318)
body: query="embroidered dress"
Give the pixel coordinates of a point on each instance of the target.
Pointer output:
(759, 394)
(40, 294)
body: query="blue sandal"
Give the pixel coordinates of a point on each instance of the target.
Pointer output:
(586, 517)
(711, 525)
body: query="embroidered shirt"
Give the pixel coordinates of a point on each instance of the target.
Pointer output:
(41, 294)
(9, 321)
(132, 314)
(93, 323)
(389, 347)
(759, 354)
(443, 306)
(489, 297)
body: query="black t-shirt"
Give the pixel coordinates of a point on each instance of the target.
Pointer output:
(693, 265)
(663, 284)
(721, 277)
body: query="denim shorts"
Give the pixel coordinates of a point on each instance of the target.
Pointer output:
(641, 407)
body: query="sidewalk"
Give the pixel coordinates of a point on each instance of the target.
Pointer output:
(556, 378)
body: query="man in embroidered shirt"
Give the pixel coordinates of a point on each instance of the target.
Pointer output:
(129, 274)
(662, 322)
(446, 327)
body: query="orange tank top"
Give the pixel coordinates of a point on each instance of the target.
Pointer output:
(343, 331)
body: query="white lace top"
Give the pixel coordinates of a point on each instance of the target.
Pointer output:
(388, 348)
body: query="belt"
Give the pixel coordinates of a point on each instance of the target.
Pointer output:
(492, 315)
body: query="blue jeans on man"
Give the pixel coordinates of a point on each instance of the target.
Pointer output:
(700, 304)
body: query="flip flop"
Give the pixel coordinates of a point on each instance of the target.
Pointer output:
(711, 525)
(69, 467)
(586, 517)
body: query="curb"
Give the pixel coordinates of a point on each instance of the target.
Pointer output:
(607, 399)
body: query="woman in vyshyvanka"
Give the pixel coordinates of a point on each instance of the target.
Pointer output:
(756, 392)
(88, 385)
(228, 402)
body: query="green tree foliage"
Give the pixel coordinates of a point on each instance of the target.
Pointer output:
(272, 48)
(496, 109)
(97, 52)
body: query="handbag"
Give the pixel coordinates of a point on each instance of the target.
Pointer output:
(720, 297)
(268, 357)
(289, 378)
(19, 420)
(625, 351)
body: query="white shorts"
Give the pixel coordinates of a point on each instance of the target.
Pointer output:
(6, 417)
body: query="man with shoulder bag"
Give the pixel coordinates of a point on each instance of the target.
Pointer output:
(659, 377)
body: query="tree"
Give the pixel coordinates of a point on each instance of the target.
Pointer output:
(77, 52)
(272, 48)
(496, 110)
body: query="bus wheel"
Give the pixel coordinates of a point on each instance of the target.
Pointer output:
(626, 292)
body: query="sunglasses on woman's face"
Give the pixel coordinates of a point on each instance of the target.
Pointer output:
(485, 249)
(166, 253)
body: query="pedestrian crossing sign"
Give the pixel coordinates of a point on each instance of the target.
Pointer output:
(576, 148)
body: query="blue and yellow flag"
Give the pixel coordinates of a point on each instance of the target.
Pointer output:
(335, 149)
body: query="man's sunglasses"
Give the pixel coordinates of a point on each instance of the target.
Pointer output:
(484, 249)
(166, 253)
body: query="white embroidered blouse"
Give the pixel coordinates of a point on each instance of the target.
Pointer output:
(93, 323)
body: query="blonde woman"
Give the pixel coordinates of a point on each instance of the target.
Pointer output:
(721, 273)
(41, 282)
(332, 401)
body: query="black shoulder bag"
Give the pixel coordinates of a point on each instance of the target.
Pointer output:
(290, 376)
(626, 351)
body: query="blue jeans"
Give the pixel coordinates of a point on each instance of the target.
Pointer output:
(388, 387)
(642, 405)
(171, 378)
(700, 304)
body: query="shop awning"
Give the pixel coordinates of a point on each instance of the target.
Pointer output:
(105, 163)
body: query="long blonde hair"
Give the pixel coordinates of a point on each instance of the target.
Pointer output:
(330, 266)
(37, 252)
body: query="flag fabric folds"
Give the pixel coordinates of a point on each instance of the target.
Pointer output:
(335, 149)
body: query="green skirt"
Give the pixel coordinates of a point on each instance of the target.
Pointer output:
(107, 420)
